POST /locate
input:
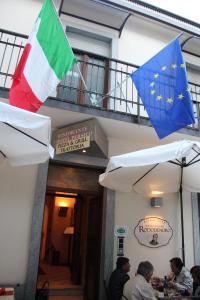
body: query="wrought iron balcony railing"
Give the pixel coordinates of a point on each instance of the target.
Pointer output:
(100, 74)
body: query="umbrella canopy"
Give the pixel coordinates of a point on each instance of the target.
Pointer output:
(155, 169)
(24, 136)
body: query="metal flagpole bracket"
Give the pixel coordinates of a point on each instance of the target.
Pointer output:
(81, 75)
(188, 39)
(60, 8)
(118, 85)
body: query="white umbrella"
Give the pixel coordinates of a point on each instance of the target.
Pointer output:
(167, 168)
(24, 136)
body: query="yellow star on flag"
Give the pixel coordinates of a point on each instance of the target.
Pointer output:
(169, 100)
(188, 90)
(180, 96)
(164, 68)
(182, 66)
(152, 92)
(156, 75)
(152, 83)
(159, 97)
(174, 66)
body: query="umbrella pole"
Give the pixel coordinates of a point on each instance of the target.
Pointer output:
(182, 223)
(182, 219)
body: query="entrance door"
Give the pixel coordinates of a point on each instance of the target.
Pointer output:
(77, 255)
(81, 275)
(93, 248)
(87, 244)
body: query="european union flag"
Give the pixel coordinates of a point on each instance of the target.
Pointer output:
(163, 87)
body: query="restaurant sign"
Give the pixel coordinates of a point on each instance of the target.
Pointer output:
(72, 139)
(153, 232)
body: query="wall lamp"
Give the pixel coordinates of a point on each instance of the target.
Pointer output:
(156, 202)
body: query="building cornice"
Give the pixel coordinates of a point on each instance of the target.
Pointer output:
(155, 13)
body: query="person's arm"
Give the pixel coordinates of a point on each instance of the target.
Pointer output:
(186, 283)
(184, 286)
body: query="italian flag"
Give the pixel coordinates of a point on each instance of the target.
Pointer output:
(46, 59)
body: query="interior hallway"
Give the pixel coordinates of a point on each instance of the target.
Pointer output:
(58, 277)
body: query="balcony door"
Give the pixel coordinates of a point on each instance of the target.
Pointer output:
(93, 54)
(95, 74)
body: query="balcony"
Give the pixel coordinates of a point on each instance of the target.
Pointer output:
(101, 75)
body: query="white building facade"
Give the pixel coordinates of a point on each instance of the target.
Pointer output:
(110, 39)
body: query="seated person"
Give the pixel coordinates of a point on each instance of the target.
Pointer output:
(182, 281)
(142, 289)
(195, 272)
(118, 278)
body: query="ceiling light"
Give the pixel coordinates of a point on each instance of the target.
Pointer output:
(157, 193)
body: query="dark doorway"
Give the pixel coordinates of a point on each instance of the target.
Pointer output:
(71, 235)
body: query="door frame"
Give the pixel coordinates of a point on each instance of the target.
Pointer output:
(107, 244)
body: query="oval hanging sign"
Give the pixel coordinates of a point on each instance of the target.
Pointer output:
(153, 232)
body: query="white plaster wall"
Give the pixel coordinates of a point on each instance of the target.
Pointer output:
(131, 207)
(19, 15)
(17, 187)
(139, 42)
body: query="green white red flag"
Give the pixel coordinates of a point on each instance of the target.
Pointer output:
(46, 59)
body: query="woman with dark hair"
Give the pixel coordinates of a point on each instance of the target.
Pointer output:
(195, 272)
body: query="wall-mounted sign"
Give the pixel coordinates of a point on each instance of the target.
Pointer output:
(153, 232)
(82, 135)
(121, 231)
(73, 139)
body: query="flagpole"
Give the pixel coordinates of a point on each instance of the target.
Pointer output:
(81, 75)
(113, 89)
(119, 85)
(177, 37)
(123, 96)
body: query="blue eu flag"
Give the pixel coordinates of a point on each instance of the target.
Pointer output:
(163, 87)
